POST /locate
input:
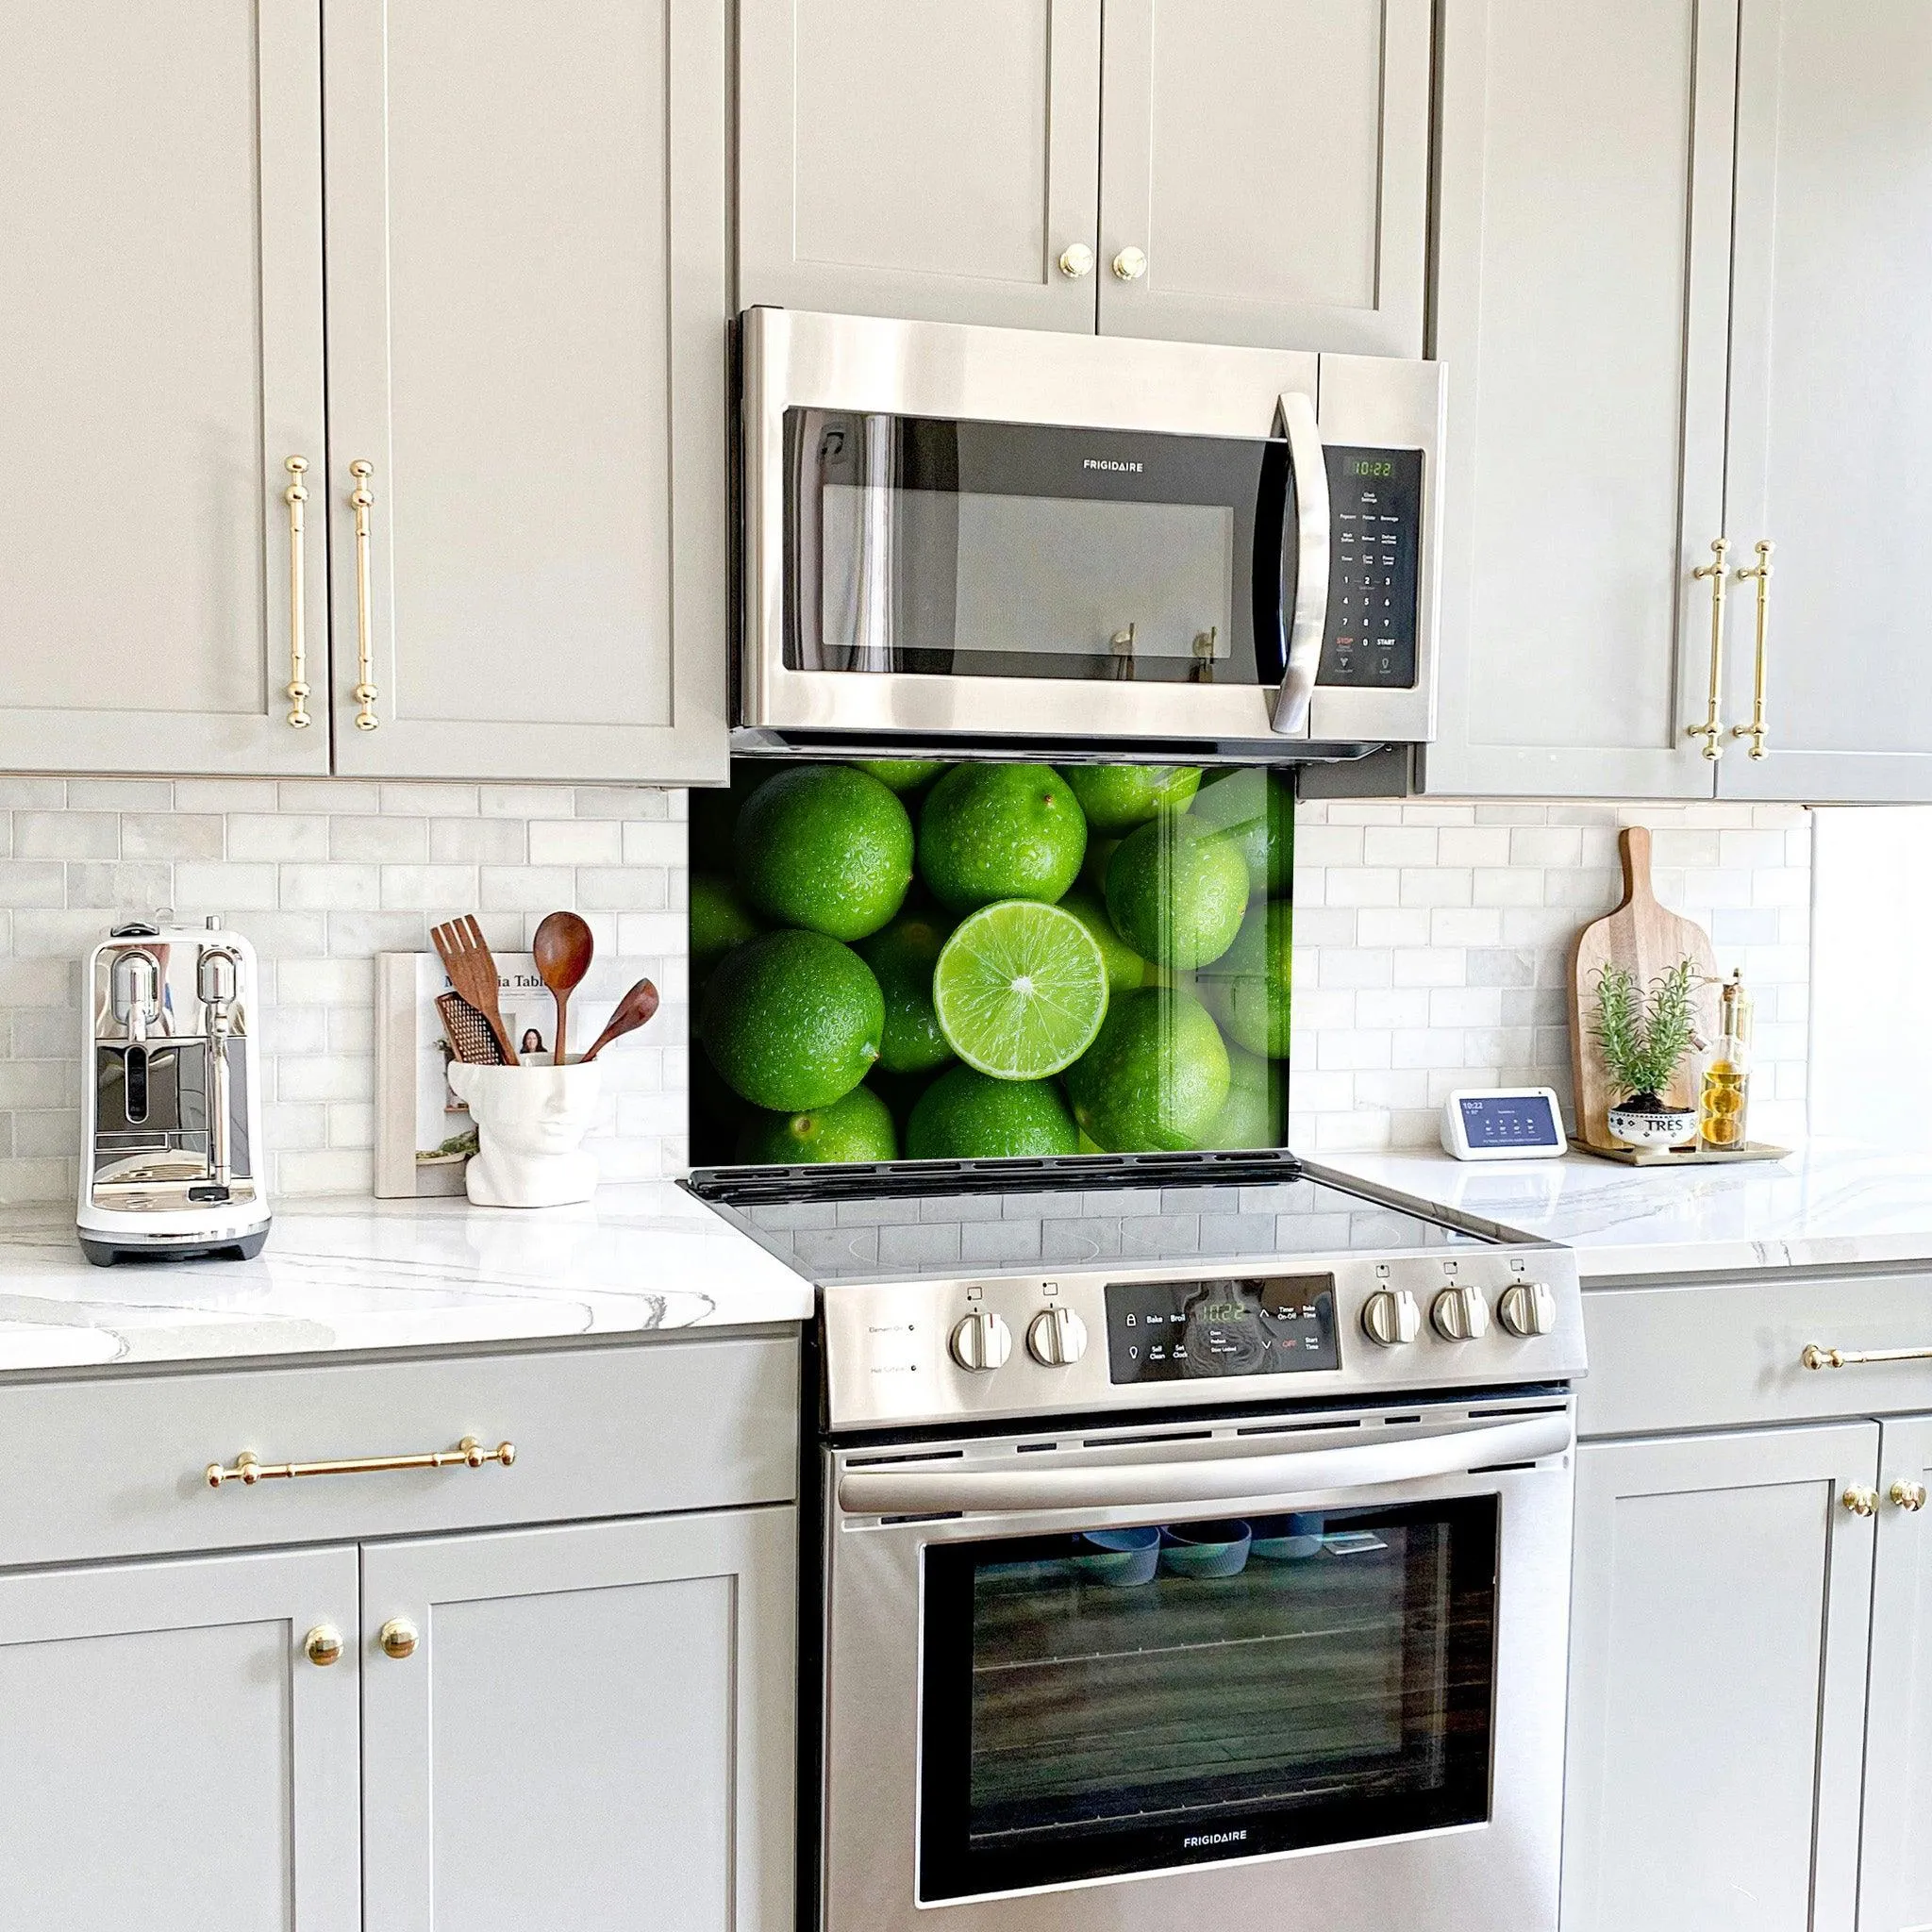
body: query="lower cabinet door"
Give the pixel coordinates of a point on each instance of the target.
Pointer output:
(1717, 1682)
(1896, 1868)
(171, 1759)
(589, 1727)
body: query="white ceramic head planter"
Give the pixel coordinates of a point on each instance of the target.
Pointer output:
(530, 1125)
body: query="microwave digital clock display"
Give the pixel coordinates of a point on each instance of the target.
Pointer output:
(1374, 511)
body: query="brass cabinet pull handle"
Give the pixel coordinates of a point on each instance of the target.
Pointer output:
(469, 1454)
(361, 501)
(1907, 1495)
(1860, 1501)
(1816, 1357)
(1755, 730)
(296, 495)
(1712, 730)
(323, 1645)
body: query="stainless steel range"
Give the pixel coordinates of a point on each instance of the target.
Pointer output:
(1192, 1555)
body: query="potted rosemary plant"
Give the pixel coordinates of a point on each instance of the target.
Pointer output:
(1644, 1036)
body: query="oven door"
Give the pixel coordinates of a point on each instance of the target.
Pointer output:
(1305, 1670)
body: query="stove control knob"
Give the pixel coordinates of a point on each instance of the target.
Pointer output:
(1391, 1317)
(982, 1341)
(1057, 1338)
(1460, 1314)
(1528, 1308)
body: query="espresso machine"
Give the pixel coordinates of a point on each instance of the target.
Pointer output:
(170, 1143)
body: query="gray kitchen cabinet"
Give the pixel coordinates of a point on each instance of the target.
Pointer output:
(1895, 1861)
(593, 1728)
(919, 158)
(528, 302)
(160, 196)
(1583, 260)
(1831, 397)
(1720, 1615)
(1269, 165)
(174, 1758)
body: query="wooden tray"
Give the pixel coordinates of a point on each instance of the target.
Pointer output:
(1685, 1156)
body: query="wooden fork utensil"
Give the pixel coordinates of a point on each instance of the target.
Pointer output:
(465, 958)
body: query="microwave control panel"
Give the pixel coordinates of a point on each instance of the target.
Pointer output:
(1376, 523)
(1191, 1331)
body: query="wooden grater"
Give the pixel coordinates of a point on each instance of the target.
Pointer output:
(468, 1032)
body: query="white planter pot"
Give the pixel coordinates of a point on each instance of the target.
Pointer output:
(1668, 1128)
(530, 1125)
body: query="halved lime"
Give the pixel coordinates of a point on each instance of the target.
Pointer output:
(1020, 990)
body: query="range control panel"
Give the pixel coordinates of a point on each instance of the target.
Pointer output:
(1376, 523)
(1097, 1339)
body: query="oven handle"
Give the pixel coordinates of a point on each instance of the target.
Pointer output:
(1302, 650)
(1232, 1479)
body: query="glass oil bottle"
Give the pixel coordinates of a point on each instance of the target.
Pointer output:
(1723, 1103)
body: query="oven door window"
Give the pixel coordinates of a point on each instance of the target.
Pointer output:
(1238, 1688)
(1013, 550)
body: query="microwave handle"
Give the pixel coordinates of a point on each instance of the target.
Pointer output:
(1303, 629)
(1237, 1481)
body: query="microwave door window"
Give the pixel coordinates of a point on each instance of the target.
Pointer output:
(1094, 1708)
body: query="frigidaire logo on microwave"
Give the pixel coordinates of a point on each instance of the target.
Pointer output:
(1211, 1837)
(1112, 463)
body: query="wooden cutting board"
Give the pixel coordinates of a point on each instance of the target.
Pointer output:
(1645, 940)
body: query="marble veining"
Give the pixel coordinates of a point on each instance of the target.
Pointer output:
(349, 1274)
(1831, 1204)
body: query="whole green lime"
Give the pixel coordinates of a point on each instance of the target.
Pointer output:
(859, 1127)
(1177, 892)
(1157, 1079)
(902, 956)
(719, 918)
(1255, 809)
(1247, 991)
(1256, 1094)
(966, 1115)
(827, 847)
(792, 1020)
(990, 832)
(1125, 969)
(903, 775)
(1118, 797)
(715, 811)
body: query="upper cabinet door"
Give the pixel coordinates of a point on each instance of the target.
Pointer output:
(920, 159)
(527, 321)
(174, 1759)
(1264, 172)
(1895, 1865)
(1831, 397)
(592, 1727)
(160, 276)
(1583, 260)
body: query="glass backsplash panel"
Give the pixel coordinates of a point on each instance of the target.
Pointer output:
(980, 961)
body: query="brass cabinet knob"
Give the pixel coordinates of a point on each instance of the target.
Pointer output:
(1130, 264)
(1909, 1496)
(1860, 1502)
(323, 1645)
(397, 1637)
(1076, 259)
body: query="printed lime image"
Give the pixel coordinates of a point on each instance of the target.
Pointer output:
(920, 961)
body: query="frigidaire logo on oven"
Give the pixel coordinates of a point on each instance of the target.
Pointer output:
(1112, 463)
(1212, 1838)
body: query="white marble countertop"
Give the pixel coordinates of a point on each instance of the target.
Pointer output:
(1832, 1203)
(349, 1274)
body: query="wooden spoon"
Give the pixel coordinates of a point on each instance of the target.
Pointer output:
(633, 1009)
(562, 948)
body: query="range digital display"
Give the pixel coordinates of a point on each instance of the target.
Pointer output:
(1201, 1330)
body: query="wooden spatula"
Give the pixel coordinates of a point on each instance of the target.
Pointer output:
(1645, 940)
(461, 946)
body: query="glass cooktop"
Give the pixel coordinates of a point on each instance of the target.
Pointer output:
(902, 1235)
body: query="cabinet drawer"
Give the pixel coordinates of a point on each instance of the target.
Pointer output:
(116, 1467)
(1681, 1355)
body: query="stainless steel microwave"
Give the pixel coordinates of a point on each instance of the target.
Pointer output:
(970, 534)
